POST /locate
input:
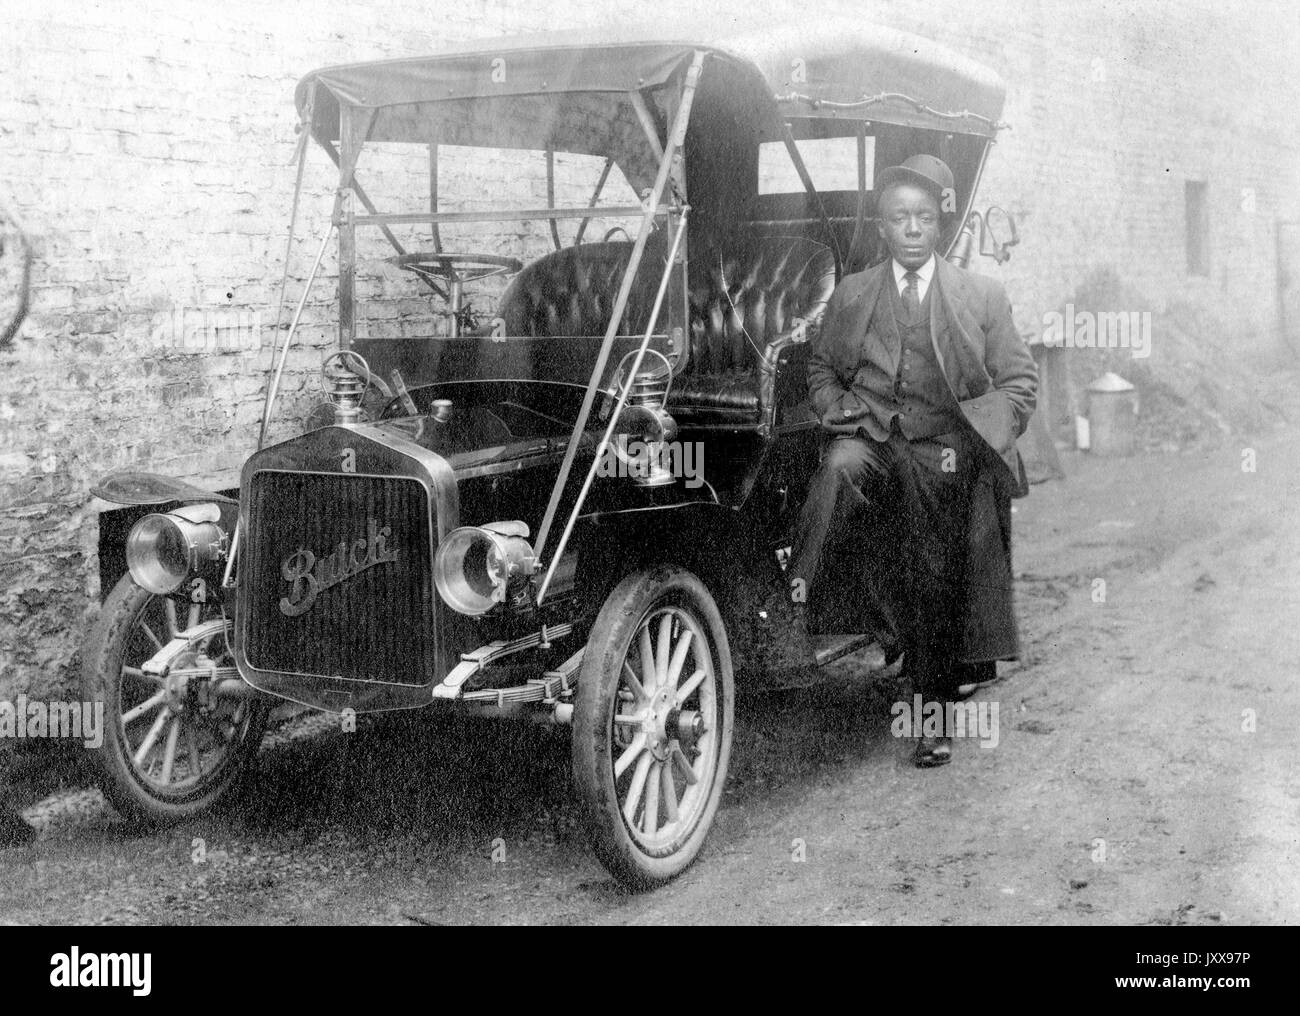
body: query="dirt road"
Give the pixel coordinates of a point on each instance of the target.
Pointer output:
(1145, 769)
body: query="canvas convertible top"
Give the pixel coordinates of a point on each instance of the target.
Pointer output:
(843, 67)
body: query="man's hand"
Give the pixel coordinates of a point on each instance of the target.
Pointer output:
(1006, 378)
(1008, 361)
(833, 399)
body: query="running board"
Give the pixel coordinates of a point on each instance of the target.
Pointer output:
(829, 648)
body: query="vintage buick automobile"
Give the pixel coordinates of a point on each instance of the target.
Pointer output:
(568, 437)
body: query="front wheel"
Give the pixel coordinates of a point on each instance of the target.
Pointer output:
(170, 750)
(652, 725)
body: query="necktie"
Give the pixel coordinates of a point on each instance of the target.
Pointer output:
(911, 303)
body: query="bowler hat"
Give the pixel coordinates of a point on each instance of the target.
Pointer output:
(925, 171)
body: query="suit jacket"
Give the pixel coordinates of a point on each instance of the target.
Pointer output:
(992, 375)
(988, 367)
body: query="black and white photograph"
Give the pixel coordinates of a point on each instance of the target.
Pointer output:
(599, 463)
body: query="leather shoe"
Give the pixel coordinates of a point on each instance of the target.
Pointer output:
(932, 751)
(974, 676)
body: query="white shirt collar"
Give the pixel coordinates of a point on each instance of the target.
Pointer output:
(924, 274)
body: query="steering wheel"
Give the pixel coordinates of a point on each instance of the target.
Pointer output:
(455, 269)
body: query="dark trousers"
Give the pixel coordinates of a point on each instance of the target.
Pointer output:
(911, 499)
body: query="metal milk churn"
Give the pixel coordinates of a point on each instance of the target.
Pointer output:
(1112, 415)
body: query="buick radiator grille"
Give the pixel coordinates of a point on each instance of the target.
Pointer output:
(337, 577)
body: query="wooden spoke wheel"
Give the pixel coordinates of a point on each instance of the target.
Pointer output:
(171, 749)
(652, 725)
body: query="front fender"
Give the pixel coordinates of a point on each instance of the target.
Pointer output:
(132, 488)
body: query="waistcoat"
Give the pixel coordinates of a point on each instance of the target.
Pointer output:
(918, 394)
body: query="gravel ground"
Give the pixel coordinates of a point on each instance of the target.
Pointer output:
(1125, 787)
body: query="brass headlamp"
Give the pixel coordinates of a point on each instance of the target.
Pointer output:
(165, 549)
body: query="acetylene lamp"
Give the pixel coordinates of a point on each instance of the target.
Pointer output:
(477, 568)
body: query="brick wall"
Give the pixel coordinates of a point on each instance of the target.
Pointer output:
(147, 148)
(1113, 107)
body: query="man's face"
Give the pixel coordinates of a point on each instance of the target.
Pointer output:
(909, 224)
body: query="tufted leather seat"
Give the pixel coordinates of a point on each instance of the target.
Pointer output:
(572, 291)
(744, 306)
(743, 303)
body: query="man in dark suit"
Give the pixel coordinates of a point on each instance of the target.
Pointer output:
(923, 385)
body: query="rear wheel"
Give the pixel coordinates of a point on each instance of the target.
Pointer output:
(652, 725)
(170, 750)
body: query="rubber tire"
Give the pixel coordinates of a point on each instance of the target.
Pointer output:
(112, 770)
(593, 772)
